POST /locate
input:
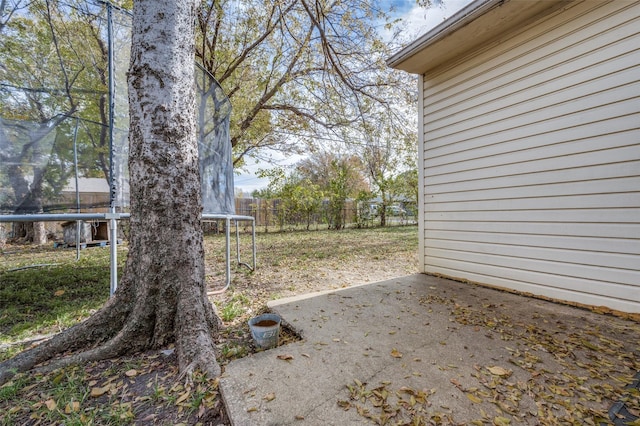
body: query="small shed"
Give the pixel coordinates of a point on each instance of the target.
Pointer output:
(529, 148)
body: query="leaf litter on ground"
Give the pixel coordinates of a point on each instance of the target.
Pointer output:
(569, 372)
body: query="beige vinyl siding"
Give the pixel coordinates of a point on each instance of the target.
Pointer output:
(531, 159)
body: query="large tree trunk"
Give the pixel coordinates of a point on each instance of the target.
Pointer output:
(39, 233)
(167, 254)
(3, 236)
(162, 298)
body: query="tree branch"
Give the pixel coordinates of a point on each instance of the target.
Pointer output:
(287, 75)
(243, 55)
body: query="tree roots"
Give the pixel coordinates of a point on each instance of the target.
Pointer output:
(117, 329)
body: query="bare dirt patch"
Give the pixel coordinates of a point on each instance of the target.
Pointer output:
(302, 262)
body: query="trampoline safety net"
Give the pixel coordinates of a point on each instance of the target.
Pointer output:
(64, 112)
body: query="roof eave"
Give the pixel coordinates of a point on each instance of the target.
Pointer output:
(477, 23)
(447, 27)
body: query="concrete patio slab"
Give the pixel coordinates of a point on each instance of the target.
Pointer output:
(434, 349)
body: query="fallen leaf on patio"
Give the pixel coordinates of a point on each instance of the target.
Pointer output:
(299, 417)
(456, 383)
(344, 405)
(473, 398)
(590, 345)
(285, 357)
(305, 355)
(501, 421)
(395, 353)
(269, 397)
(251, 409)
(407, 389)
(499, 371)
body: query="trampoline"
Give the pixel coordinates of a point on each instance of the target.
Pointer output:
(64, 120)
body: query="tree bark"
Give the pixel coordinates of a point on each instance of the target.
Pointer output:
(162, 297)
(167, 253)
(39, 233)
(3, 236)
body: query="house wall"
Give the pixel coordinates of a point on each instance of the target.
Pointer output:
(531, 159)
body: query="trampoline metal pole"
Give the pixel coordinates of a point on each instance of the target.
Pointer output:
(227, 230)
(113, 243)
(253, 242)
(75, 164)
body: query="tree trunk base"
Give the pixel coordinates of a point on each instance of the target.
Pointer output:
(39, 233)
(113, 331)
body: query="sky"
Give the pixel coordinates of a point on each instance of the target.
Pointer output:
(419, 21)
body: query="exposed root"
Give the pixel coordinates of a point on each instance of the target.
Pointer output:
(121, 327)
(187, 374)
(113, 348)
(96, 329)
(205, 364)
(138, 317)
(194, 342)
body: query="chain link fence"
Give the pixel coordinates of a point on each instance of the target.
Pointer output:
(271, 216)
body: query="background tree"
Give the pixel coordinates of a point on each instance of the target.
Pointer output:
(299, 200)
(296, 69)
(365, 213)
(406, 186)
(162, 295)
(307, 198)
(295, 199)
(58, 76)
(339, 177)
(380, 162)
(273, 194)
(387, 149)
